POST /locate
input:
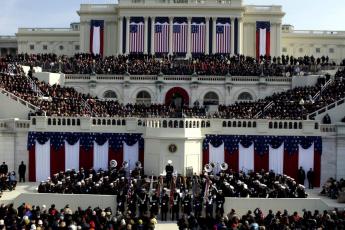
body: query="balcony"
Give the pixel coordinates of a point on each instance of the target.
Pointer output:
(224, 3)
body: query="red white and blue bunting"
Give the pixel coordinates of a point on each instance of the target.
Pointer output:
(283, 154)
(52, 152)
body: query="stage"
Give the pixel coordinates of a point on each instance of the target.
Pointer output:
(26, 192)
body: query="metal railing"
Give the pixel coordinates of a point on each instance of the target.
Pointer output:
(268, 106)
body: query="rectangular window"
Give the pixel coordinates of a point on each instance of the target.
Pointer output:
(318, 50)
(45, 47)
(76, 47)
(331, 50)
(32, 47)
(301, 50)
(284, 49)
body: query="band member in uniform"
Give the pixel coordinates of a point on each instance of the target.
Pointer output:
(209, 205)
(187, 203)
(220, 200)
(176, 206)
(154, 203)
(121, 199)
(164, 206)
(198, 205)
(142, 198)
(169, 169)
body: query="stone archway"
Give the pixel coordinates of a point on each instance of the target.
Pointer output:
(177, 96)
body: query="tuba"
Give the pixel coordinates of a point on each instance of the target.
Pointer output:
(113, 164)
(224, 166)
(208, 168)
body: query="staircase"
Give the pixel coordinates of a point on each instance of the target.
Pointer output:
(321, 112)
(317, 95)
(10, 109)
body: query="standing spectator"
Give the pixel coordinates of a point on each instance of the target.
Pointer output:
(4, 168)
(21, 172)
(301, 175)
(310, 176)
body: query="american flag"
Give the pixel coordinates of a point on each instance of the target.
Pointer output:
(161, 37)
(198, 38)
(223, 38)
(180, 31)
(136, 37)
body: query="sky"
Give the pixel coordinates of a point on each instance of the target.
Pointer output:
(303, 14)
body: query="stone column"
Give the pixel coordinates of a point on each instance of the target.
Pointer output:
(171, 30)
(232, 36)
(153, 19)
(146, 31)
(189, 39)
(214, 35)
(240, 36)
(207, 48)
(120, 35)
(279, 38)
(127, 33)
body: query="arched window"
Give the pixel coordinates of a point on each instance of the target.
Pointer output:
(245, 96)
(109, 94)
(211, 98)
(143, 97)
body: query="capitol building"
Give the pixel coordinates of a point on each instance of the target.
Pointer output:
(177, 32)
(241, 19)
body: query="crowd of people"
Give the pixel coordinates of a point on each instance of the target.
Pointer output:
(332, 188)
(41, 217)
(139, 64)
(8, 180)
(56, 100)
(258, 220)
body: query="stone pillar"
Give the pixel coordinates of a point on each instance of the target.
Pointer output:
(207, 48)
(120, 36)
(214, 35)
(127, 33)
(171, 30)
(232, 36)
(153, 19)
(189, 39)
(146, 31)
(240, 36)
(279, 38)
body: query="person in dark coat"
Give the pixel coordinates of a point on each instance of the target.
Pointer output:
(164, 206)
(301, 175)
(3, 168)
(310, 177)
(21, 172)
(176, 206)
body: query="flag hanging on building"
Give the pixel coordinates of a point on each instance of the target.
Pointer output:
(136, 37)
(198, 38)
(161, 37)
(52, 152)
(180, 31)
(97, 37)
(282, 154)
(263, 38)
(223, 38)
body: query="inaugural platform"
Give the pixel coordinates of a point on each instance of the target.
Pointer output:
(210, 113)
